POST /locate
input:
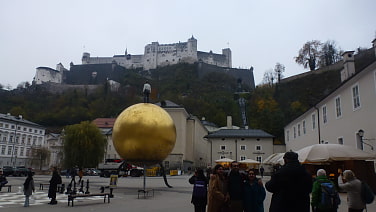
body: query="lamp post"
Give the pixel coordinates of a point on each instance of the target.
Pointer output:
(361, 136)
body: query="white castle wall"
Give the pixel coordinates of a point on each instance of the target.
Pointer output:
(45, 74)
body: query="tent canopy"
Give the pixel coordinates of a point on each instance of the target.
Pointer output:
(224, 160)
(249, 161)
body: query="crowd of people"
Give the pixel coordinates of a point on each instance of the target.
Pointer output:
(292, 187)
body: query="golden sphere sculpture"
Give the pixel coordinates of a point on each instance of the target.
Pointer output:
(144, 134)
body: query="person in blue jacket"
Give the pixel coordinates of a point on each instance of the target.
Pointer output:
(254, 193)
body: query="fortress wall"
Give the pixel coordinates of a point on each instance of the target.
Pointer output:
(44, 75)
(100, 60)
(213, 59)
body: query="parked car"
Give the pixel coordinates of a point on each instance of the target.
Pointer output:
(20, 171)
(7, 170)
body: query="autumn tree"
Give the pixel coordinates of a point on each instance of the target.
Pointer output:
(84, 145)
(268, 78)
(309, 54)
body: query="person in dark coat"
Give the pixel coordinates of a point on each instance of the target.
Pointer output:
(291, 186)
(254, 194)
(235, 188)
(199, 202)
(55, 180)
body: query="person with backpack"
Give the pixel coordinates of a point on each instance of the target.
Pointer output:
(254, 194)
(325, 198)
(200, 189)
(350, 184)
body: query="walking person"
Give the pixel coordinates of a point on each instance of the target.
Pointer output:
(146, 90)
(200, 190)
(235, 188)
(317, 194)
(54, 181)
(262, 171)
(28, 188)
(350, 184)
(254, 193)
(218, 197)
(291, 186)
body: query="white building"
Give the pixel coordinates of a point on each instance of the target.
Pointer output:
(338, 118)
(17, 139)
(240, 144)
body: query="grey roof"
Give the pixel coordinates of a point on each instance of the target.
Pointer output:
(168, 104)
(207, 123)
(18, 119)
(239, 133)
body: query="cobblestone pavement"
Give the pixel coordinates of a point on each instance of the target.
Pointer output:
(125, 196)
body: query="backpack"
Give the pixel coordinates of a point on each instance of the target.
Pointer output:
(200, 189)
(366, 193)
(329, 196)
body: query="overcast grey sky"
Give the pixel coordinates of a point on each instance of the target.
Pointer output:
(260, 33)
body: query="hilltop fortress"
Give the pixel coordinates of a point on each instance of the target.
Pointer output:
(97, 70)
(156, 55)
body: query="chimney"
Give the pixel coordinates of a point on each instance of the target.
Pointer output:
(229, 122)
(348, 65)
(20, 116)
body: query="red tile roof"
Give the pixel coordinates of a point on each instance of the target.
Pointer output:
(104, 122)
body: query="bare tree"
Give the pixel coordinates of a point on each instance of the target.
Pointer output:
(278, 70)
(268, 77)
(330, 54)
(309, 54)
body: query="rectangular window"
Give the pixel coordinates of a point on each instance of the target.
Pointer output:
(10, 148)
(313, 121)
(3, 149)
(340, 141)
(298, 129)
(243, 157)
(28, 152)
(294, 132)
(338, 107)
(11, 139)
(304, 127)
(258, 147)
(324, 115)
(243, 147)
(222, 156)
(356, 98)
(287, 135)
(223, 147)
(259, 158)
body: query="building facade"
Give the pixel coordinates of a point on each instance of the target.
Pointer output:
(18, 138)
(344, 113)
(240, 144)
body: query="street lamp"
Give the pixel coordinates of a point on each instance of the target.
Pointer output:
(361, 136)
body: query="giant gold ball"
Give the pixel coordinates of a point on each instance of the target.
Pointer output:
(144, 134)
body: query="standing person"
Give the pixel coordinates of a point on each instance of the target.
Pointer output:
(146, 90)
(262, 171)
(199, 194)
(290, 186)
(235, 188)
(80, 175)
(353, 187)
(254, 194)
(28, 188)
(55, 180)
(317, 193)
(217, 193)
(3, 179)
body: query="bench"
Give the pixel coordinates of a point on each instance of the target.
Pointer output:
(146, 193)
(9, 187)
(71, 197)
(60, 187)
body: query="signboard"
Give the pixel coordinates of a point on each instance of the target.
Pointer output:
(113, 181)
